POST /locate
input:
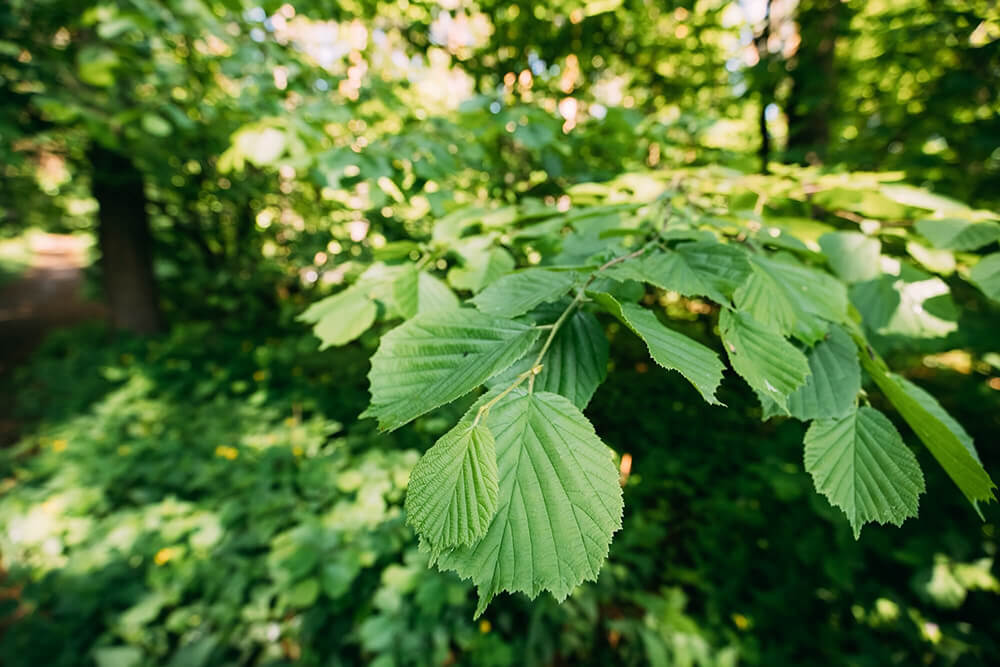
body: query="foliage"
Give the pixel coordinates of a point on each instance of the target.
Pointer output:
(783, 320)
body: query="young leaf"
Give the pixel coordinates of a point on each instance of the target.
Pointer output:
(341, 318)
(854, 256)
(834, 380)
(452, 494)
(956, 234)
(698, 364)
(575, 364)
(437, 357)
(560, 502)
(416, 292)
(794, 299)
(703, 268)
(944, 443)
(986, 275)
(482, 266)
(770, 364)
(860, 463)
(517, 293)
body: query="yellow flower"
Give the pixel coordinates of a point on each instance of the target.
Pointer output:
(485, 626)
(741, 621)
(164, 555)
(297, 451)
(226, 452)
(59, 445)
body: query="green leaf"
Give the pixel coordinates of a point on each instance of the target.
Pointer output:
(986, 275)
(834, 380)
(793, 299)
(437, 357)
(921, 198)
(944, 443)
(957, 234)
(853, 256)
(860, 463)
(914, 306)
(341, 318)
(482, 266)
(517, 293)
(156, 125)
(416, 292)
(575, 364)
(771, 365)
(452, 494)
(704, 268)
(931, 405)
(698, 364)
(560, 502)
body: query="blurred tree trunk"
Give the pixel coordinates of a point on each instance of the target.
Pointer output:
(813, 78)
(125, 241)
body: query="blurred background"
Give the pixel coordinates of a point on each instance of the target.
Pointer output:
(183, 478)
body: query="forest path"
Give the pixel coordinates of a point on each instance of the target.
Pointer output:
(48, 295)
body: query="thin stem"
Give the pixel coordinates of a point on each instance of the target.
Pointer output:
(485, 409)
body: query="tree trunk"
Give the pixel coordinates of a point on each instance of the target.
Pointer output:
(814, 88)
(125, 242)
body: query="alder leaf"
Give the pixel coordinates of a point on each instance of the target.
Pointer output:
(771, 365)
(482, 266)
(860, 463)
(341, 318)
(560, 502)
(517, 293)
(791, 298)
(957, 234)
(853, 256)
(575, 364)
(834, 380)
(452, 493)
(704, 268)
(986, 275)
(674, 351)
(416, 292)
(944, 443)
(437, 357)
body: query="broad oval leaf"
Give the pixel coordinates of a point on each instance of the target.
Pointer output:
(341, 318)
(674, 351)
(860, 463)
(958, 234)
(416, 292)
(575, 364)
(944, 444)
(560, 502)
(853, 256)
(703, 268)
(791, 298)
(452, 493)
(986, 275)
(834, 379)
(437, 357)
(770, 364)
(517, 293)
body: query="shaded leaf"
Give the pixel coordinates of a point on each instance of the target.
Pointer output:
(860, 463)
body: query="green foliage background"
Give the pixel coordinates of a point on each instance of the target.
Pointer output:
(208, 496)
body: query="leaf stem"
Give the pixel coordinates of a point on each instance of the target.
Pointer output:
(485, 409)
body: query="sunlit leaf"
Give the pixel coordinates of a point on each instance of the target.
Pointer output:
(560, 502)
(436, 357)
